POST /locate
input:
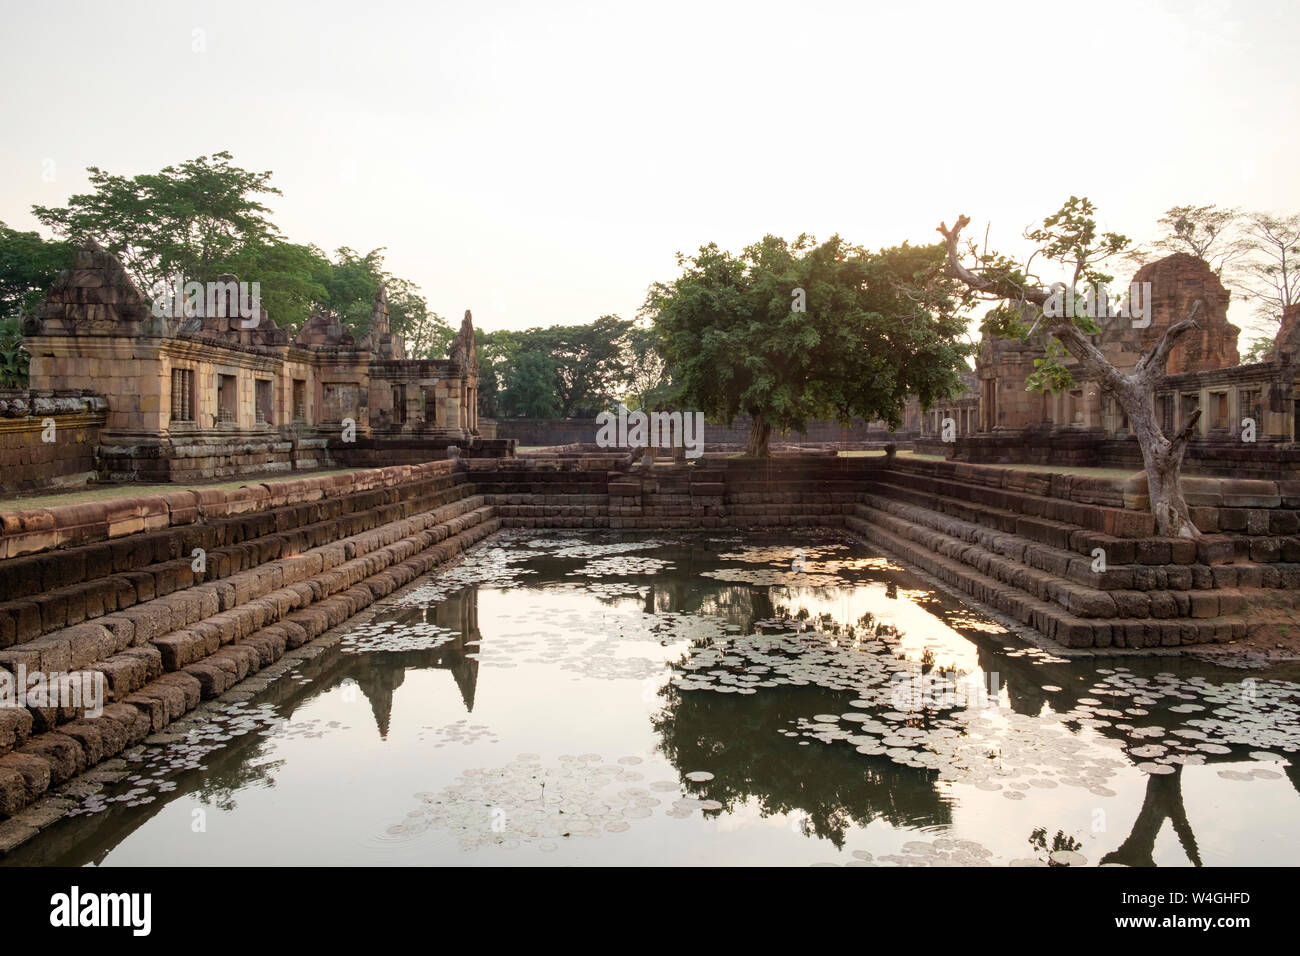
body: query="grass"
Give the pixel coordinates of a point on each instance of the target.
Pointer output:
(93, 493)
(1122, 473)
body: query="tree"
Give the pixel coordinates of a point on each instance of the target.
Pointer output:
(203, 219)
(1070, 238)
(1274, 266)
(292, 279)
(428, 335)
(494, 352)
(586, 363)
(530, 389)
(14, 357)
(350, 290)
(791, 332)
(28, 267)
(190, 220)
(1207, 232)
(1258, 351)
(647, 381)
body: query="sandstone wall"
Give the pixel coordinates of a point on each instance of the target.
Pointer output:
(30, 462)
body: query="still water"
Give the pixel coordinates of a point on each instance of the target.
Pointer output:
(601, 698)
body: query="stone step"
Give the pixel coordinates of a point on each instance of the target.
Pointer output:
(1078, 568)
(529, 499)
(48, 610)
(1083, 600)
(208, 616)
(557, 521)
(1210, 549)
(52, 758)
(538, 511)
(1047, 617)
(1119, 522)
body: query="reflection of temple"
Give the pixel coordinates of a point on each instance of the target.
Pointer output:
(379, 673)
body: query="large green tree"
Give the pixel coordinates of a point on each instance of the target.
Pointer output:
(189, 220)
(529, 391)
(647, 381)
(790, 332)
(28, 266)
(562, 371)
(204, 218)
(351, 287)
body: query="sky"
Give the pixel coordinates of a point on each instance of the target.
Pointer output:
(543, 163)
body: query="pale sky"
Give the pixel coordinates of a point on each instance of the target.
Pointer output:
(542, 163)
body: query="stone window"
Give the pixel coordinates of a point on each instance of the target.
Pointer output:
(1191, 401)
(227, 399)
(1219, 410)
(340, 401)
(1165, 412)
(299, 400)
(1251, 406)
(399, 404)
(182, 395)
(430, 404)
(265, 406)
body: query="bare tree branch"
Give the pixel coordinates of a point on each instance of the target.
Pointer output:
(979, 283)
(1184, 433)
(1152, 365)
(1077, 344)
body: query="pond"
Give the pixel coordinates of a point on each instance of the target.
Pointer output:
(703, 698)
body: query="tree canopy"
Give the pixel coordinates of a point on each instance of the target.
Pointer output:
(789, 332)
(205, 218)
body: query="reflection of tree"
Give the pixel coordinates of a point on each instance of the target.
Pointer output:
(735, 737)
(1164, 801)
(1038, 840)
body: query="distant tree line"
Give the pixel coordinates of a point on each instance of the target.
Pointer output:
(198, 220)
(784, 333)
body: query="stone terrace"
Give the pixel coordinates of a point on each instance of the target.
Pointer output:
(112, 586)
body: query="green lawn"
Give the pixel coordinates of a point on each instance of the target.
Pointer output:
(90, 493)
(1122, 473)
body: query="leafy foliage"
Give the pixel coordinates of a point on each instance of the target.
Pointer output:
(1273, 269)
(28, 266)
(582, 368)
(203, 218)
(1069, 238)
(648, 378)
(14, 358)
(1209, 233)
(877, 328)
(189, 220)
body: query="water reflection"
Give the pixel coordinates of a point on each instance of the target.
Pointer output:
(695, 692)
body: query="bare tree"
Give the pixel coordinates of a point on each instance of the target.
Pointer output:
(1274, 265)
(1207, 232)
(1070, 237)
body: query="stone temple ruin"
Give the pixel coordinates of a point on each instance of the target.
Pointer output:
(110, 586)
(160, 398)
(998, 420)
